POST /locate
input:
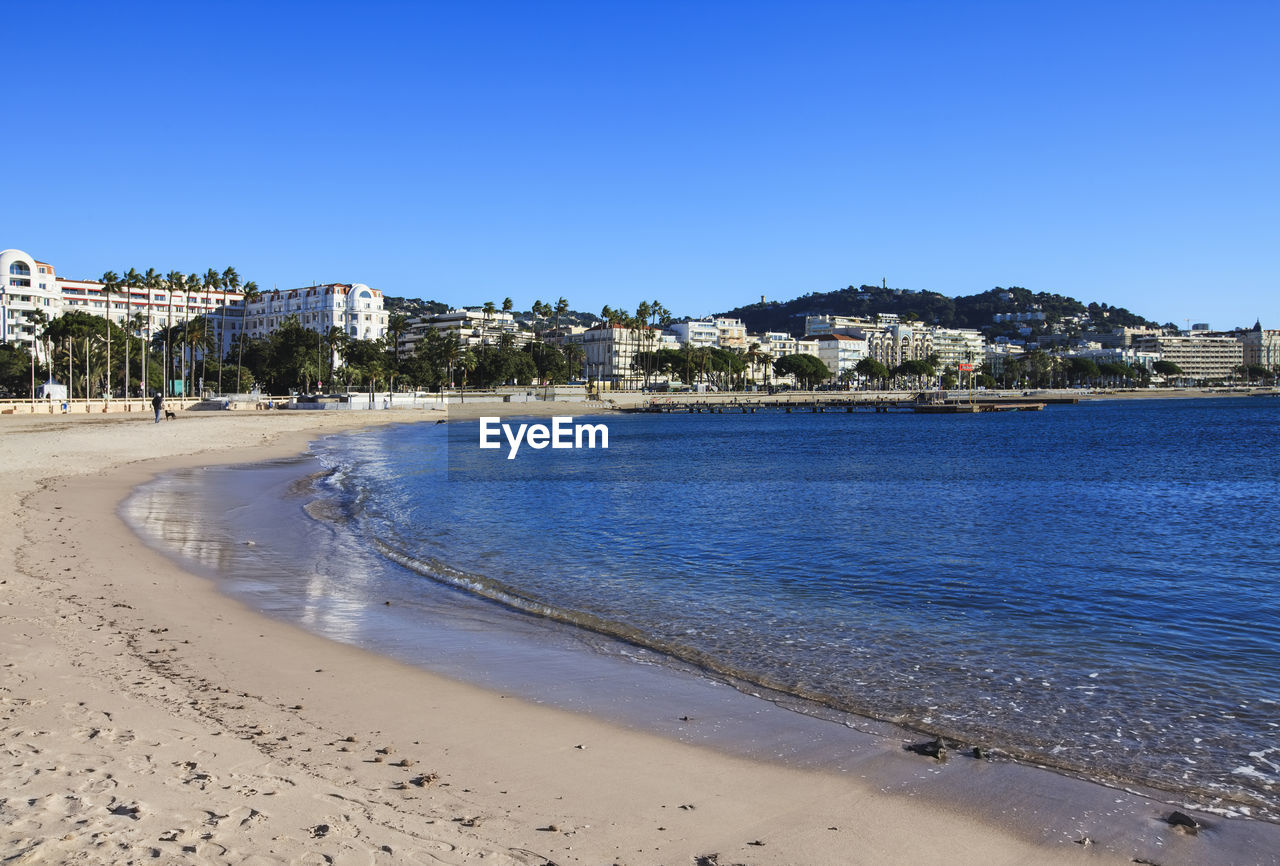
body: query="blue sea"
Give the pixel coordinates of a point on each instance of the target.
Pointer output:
(1092, 587)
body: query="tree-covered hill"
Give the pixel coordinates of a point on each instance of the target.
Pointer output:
(413, 308)
(968, 311)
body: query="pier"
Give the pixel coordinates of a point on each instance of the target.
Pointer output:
(919, 404)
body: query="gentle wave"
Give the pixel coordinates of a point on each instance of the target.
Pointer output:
(1089, 599)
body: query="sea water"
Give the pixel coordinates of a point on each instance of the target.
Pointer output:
(1089, 587)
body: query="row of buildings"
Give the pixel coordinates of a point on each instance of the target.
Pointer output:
(31, 291)
(840, 342)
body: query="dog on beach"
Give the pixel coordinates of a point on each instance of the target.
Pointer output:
(169, 416)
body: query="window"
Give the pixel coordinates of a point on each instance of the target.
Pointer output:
(20, 269)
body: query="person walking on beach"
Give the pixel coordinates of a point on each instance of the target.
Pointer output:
(157, 403)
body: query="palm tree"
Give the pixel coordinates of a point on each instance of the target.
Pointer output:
(396, 324)
(251, 294)
(174, 282)
(540, 311)
(562, 307)
(643, 311)
(153, 283)
(40, 329)
(334, 340)
(229, 280)
(506, 305)
(136, 326)
(467, 362)
(132, 280)
(192, 286)
(195, 334)
(754, 356)
(209, 282)
(450, 349)
(574, 354)
(110, 285)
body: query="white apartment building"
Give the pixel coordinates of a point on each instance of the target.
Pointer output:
(1261, 347)
(840, 352)
(892, 344)
(777, 344)
(611, 351)
(816, 326)
(26, 285)
(956, 346)
(1125, 336)
(1199, 356)
(700, 333)
(469, 327)
(355, 309)
(1120, 355)
(997, 355)
(731, 334)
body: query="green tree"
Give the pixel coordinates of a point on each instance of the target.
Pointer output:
(291, 361)
(1083, 370)
(467, 362)
(574, 356)
(210, 282)
(919, 372)
(756, 358)
(79, 340)
(251, 294)
(366, 359)
(17, 369)
(448, 353)
(1168, 369)
(174, 282)
(110, 286)
(805, 368)
(550, 363)
(131, 281)
(562, 307)
(228, 281)
(872, 370)
(193, 285)
(153, 282)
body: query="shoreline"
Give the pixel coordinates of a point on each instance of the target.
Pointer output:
(123, 670)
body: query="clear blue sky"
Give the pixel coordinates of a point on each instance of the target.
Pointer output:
(699, 153)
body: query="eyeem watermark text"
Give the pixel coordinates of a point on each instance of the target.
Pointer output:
(563, 433)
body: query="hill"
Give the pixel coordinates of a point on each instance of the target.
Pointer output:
(413, 308)
(968, 311)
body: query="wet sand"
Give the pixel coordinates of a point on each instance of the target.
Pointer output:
(145, 716)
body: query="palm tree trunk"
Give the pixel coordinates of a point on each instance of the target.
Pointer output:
(128, 309)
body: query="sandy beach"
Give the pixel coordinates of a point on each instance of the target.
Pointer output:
(144, 717)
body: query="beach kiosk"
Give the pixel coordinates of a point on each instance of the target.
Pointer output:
(54, 393)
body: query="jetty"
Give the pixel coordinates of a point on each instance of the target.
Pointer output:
(922, 404)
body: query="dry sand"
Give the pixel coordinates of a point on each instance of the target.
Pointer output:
(144, 717)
